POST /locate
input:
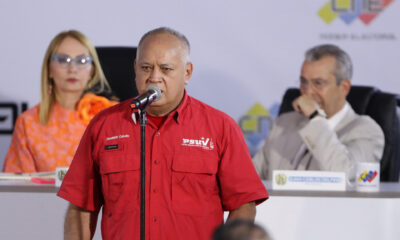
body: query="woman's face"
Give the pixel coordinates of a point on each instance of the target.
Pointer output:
(71, 67)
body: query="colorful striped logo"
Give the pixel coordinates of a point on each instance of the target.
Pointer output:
(350, 10)
(367, 176)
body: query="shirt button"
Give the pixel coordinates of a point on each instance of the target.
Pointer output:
(157, 134)
(156, 162)
(154, 190)
(155, 219)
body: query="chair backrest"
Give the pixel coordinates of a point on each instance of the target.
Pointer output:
(117, 64)
(384, 108)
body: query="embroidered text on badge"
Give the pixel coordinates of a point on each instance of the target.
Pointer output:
(206, 144)
(111, 147)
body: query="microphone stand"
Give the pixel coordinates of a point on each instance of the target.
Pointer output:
(152, 93)
(143, 122)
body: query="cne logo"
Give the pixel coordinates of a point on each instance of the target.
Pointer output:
(350, 10)
(367, 176)
(204, 143)
(256, 124)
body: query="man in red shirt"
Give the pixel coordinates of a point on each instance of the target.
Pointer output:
(197, 164)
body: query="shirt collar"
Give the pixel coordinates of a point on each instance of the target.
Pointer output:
(335, 119)
(178, 114)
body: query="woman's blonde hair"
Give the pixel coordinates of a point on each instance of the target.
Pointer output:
(48, 97)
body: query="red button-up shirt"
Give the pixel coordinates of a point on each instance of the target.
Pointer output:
(197, 166)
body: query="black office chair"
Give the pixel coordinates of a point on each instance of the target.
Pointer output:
(117, 64)
(384, 108)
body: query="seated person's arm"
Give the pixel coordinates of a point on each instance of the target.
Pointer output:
(359, 138)
(363, 142)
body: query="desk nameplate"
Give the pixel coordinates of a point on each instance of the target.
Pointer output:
(308, 180)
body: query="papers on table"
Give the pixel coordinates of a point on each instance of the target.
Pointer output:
(39, 177)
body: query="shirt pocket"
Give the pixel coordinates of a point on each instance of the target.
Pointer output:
(194, 187)
(120, 173)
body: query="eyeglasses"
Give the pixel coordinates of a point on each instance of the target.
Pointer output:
(64, 61)
(315, 83)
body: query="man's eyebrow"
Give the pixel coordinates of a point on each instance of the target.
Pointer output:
(318, 79)
(166, 65)
(144, 62)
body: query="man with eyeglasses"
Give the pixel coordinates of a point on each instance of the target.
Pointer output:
(324, 132)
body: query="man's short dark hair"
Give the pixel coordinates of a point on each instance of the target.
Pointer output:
(166, 30)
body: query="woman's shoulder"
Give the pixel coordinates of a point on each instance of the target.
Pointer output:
(28, 117)
(31, 112)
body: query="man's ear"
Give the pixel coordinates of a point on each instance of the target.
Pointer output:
(345, 86)
(188, 72)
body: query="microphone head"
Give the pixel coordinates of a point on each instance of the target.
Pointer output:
(156, 90)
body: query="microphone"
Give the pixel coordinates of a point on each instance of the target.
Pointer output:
(152, 94)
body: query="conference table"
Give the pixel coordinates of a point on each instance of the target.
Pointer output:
(33, 211)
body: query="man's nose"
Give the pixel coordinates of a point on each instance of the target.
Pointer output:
(155, 75)
(307, 89)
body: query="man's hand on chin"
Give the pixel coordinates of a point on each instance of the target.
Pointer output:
(305, 104)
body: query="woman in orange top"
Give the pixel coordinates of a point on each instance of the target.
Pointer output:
(47, 135)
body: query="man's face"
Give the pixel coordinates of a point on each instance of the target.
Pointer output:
(318, 80)
(161, 62)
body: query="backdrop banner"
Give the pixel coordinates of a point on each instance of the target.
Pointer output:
(250, 51)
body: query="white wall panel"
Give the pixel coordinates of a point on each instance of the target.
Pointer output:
(243, 52)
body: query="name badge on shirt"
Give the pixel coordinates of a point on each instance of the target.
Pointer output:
(111, 147)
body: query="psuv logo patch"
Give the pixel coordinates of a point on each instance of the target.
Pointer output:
(204, 143)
